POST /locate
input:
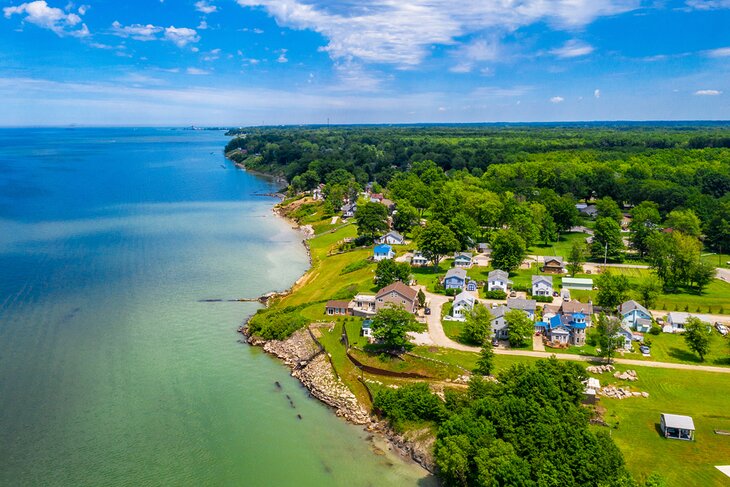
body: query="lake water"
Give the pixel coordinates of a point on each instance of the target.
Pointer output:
(112, 372)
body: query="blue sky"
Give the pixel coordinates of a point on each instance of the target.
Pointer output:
(227, 62)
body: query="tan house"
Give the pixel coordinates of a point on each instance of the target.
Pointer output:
(553, 264)
(333, 308)
(397, 294)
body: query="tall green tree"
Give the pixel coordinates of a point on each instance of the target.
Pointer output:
(685, 221)
(437, 240)
(649, 290)
(613, 289)
(405, 217)
(607, 241)
(576, 258)
(718, 230)
(371, 220)
(508, 250)
(607, 330)
(645, 221)
(697, 335)
(465, 229)
(389, 271)
(477, 325)
(608, 208)
(392, 324)
(519, 327)
(485, 362)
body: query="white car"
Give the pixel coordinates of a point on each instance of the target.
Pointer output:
(721, 328)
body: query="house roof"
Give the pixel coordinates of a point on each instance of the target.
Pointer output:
(547, 279)
(465, 296)
(682, 317)
(551, 258)
(499, 311)
(678, 421)
(405, 291)
(394, 234)
(643, 322)
(337, 304)
(456, 272)
(631, 305)
(576, 281)
(578, 316)
(541, 324)
(575, 306)
(498, 274)
(368, 298)
(382, 249)
(367, 323)
(523, 304)
(464, 255)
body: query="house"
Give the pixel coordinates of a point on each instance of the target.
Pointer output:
(363, 305)
(397, 294)
(484, 248)
(542, 285)
(627, 336)
(564, 330)
(392, 238)
(677, 427)
(573, 307)
(455, 279)
(471, 285)
(318, 193)
(376, 198)
(342, 308)
(587, 210)
(367, 328)
(677, 319)
(383, 252)
(463, 260)
(577, 283)
(348, 210)
(527, 305)
(499, 323)
(463, 304)
(553, 264)
(498, 280)
(389, 204)
(418, 259)
(635, 316)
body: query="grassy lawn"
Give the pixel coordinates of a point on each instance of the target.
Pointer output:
(669, 347)
(701, 395)
(718, 260)
(560, 248)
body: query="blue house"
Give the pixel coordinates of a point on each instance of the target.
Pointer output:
(635, 316)
(455, 279)
(563, 329)
(383, 252)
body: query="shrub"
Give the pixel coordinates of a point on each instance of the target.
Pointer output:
(409, 403)
(655, 330)
(520, 287)
(543, 299)
(276, 324)
(495, 294)
(451, 292)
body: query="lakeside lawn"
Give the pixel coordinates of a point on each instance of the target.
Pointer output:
(635, 423)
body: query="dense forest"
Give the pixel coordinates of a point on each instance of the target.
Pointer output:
(677, 167)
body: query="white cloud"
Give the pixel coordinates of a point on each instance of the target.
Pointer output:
(51, 18)
(196, 71)
(83, 9)
(202, 25)
(402, 33)
(707, 4)
(137, 32)
(596, 93)
(469, 55)
(282, 57)
(205, 7)
(181, 36)
(573, 48)
(720, 52)
(557, 99)
(708, 92)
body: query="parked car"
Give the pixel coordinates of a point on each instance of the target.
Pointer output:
(721, 328)
(495, 342)
(513, 294)
(427, 311)
(556, 294)
(644, 349)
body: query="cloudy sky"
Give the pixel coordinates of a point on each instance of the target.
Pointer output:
(227, 62)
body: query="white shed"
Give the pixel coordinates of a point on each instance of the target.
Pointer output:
(677, 427)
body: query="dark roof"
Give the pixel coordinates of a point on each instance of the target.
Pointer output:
(631, 305)
(523, 304)
(405, 291)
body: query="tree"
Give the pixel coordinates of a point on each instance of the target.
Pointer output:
(697, 335)
(478, 325)
(405, 217)
(685, 221)
(525, 224)
(576, 258)
(607, 329)
(508, 250)
(519, 327)
(649, 290)
(391, 325)
(548, 230)
(563, 211)
(608, 208)
(718, 230)
(421, 296)
(371, 220)
(645, 220)
(702, 274)
(485, 362)
(607, 241)
(612, 290)
(465, 229)
(437, 240)
(389, 271)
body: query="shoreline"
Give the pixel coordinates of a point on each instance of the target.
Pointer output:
(313, 369)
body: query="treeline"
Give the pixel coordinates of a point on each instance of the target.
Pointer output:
(527, 429)
(675, 167)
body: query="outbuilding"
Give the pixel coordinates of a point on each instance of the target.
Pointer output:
(677, 427)
(577, 283)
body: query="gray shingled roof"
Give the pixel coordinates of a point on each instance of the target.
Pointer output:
(498, 274)
(523, 304)
(548, 279)
(456, 272)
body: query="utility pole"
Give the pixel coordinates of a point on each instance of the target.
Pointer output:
(605, 257)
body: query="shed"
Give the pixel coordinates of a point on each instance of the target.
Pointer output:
(677, 427)
(577, 283)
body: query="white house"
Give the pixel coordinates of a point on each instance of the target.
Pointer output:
(392, 238)
(463, 304)
(498, 280)
(383, 252)
(677, 319)
(542, 285)
(418, 259)
(367, 330)
(463, 260)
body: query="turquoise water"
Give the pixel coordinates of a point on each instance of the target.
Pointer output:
(112, 372)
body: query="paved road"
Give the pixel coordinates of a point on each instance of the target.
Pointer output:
(435, 336)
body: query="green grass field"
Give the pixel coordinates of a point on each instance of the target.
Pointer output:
(561, 247)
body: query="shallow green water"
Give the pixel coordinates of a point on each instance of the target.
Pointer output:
(112, 372)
